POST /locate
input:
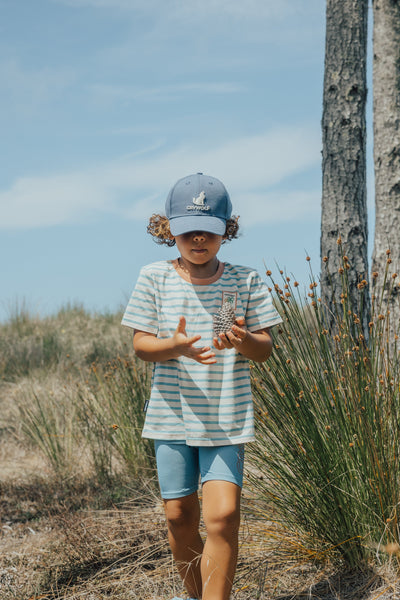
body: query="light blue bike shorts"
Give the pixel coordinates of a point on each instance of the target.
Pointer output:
(179, 466)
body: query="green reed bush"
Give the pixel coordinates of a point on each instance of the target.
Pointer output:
(328, 423)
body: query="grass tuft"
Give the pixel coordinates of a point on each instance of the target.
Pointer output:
(328, 425)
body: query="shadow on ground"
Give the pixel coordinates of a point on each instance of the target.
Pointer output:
(342, 585)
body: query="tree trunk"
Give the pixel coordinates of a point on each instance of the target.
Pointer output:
(386, 93)
(344, 206)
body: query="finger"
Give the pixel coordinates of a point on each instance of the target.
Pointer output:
(181, 325)
(204, 356)
(240, 321)
(198, 351)
(208, 361)
(239, 332)
(234, 340)
(193, 339)
(225, 340)
(218, 344)
(207, 357)
(193, 352)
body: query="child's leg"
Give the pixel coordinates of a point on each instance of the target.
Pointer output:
(178, 474)
(183, 516)
(210, 575)
(221, 514)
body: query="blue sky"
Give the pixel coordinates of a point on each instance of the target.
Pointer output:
(106, 103)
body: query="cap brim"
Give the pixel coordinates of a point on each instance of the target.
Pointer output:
(181, 225)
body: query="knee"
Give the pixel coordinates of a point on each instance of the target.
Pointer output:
(181, 517)
(224, 523)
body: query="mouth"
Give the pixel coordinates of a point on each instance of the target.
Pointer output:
(199, 250)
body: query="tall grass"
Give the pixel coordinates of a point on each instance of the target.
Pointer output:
(328, 424)
(110, 408)
(101, 416)
(48, 421)
(76, 396)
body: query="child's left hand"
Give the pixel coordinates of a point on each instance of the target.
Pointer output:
(233, 338)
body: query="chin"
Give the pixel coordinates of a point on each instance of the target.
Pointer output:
(200, 258)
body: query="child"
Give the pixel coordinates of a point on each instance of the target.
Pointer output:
(200, 410)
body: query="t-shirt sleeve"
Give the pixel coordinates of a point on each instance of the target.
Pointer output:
(261, 312)
(141, 312)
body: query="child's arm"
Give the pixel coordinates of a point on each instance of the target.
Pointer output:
(151, 348)
(255, 345)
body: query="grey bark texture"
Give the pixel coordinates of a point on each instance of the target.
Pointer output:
(386, 96)
(344, 195)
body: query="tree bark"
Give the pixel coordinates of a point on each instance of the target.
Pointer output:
(386, 97)
(344, 206)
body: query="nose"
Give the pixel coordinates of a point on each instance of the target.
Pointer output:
(199, 236)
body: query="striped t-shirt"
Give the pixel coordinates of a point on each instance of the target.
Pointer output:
(203, 405)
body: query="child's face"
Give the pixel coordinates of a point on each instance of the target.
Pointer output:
(198, 247)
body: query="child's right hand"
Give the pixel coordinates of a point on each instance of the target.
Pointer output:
(184, 345)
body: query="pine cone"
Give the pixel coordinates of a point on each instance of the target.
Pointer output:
(224, 319)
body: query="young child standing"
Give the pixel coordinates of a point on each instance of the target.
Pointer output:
(200, 411)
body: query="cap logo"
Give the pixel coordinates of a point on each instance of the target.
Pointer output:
(198, 203)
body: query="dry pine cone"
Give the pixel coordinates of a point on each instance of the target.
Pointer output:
(224, 319)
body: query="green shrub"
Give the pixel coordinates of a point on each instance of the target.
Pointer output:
(328, 424)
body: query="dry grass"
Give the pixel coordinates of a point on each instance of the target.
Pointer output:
(77, 538)
(121, 553)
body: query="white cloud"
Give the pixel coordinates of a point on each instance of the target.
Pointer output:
(135, 186)
(45, 201)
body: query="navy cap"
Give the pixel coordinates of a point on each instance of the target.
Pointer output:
(198, 203)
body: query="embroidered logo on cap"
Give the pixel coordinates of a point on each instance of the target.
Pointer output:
(198, 203)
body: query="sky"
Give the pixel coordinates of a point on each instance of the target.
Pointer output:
(104, 104)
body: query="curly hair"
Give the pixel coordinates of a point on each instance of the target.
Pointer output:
(158, 227)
